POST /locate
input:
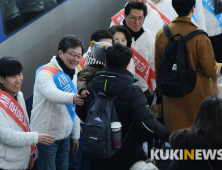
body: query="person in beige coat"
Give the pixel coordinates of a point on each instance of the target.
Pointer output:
(179, 113)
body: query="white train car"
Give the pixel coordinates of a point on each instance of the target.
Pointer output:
(35, 40)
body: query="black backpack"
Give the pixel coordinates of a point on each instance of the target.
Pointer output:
(98, 133)
(176, 76)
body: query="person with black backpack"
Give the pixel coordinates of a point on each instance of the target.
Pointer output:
(115, 98)
(184, 65)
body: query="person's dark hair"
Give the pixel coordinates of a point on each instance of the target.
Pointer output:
(123, 29)
(135, 5)
(118, 56)
(100, 34)
(183, 7)
(10, 66)
(70, 41)
(206, 130)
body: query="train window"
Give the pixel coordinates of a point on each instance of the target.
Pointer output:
(17, 13)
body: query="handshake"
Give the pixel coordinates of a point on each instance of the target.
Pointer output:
(78, 99)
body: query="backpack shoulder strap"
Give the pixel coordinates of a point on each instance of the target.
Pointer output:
(92, 102)
(168, 32)
(127, 133)
(193, 33)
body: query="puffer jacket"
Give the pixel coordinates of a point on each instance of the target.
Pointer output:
(49, 114)
(131, 106)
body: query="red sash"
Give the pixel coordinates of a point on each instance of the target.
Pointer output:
(13, 108)
(118, 17)
(142, 68)
(164, 18)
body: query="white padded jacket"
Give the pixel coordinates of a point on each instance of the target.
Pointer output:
(15, 144)
(49, 113)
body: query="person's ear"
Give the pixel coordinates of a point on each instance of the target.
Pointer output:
(193, 9)
(60, 53)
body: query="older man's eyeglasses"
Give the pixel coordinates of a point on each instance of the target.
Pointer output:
(74, 55)
(133, 19)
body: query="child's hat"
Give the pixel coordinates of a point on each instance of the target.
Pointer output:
(99, 50)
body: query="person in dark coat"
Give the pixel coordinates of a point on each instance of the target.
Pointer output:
(205, 133)
(131, 106)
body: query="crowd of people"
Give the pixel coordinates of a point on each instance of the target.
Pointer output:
(18, 12)
(133, 64)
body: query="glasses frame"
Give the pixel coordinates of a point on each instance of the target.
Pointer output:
(74, 55)
(133, 19)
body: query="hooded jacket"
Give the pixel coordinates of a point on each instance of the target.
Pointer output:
(131, 106)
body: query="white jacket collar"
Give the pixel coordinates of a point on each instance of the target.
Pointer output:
(54, 62)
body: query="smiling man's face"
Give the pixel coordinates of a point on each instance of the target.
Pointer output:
(71, 57)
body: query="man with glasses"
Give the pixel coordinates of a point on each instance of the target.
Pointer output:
(152, 22)
(142, 46)
(54, 100)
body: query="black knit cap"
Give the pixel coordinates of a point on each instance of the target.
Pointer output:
(183, 7)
